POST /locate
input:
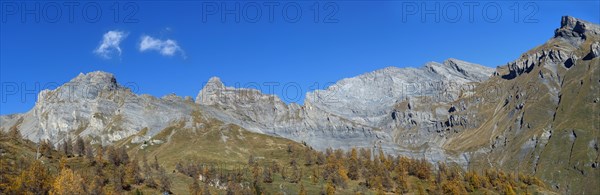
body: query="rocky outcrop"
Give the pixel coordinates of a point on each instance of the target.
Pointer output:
(575, 30)
(594, 51)
(572, 31)
(548, 58)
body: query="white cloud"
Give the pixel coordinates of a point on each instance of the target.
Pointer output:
(110, 44)
(166, 48)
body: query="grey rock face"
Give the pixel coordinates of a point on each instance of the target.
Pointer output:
(528, 61)
(95, 105)
(355, 112)
(369, 98)
(268, 114)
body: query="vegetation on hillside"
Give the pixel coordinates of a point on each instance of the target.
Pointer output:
(77, 167)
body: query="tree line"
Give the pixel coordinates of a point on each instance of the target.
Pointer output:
(97, 169)
(334, 170)
(75, 166)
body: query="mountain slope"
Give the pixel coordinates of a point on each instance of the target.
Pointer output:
(444, 113)
(541, 112)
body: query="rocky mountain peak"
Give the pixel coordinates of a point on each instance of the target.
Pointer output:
(555, 53)
(574, 28)
(215, 82)
(84, 86)
(210, 92)
(95, 105)
(97, 77)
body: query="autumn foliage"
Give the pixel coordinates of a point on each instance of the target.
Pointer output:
(83, 168)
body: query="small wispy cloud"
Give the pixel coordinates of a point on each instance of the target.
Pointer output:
(165, 47)
(110, 44)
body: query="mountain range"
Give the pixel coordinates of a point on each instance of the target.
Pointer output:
(537, 114)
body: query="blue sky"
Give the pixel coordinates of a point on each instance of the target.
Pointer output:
(187, 42)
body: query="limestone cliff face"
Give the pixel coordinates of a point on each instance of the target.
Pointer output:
(95, 105)
(267, 114)
(369, 98)
(355, 112)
